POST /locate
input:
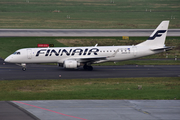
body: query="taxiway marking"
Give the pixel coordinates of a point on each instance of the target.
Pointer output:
(49, 110)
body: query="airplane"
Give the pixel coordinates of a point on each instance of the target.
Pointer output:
(74, 57)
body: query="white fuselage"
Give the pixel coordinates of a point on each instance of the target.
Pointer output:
(59, 54)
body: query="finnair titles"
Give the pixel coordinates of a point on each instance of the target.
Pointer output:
(77, 51)
(74, 57)
(59, 52)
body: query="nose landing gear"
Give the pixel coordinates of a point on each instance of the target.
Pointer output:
(23, 66)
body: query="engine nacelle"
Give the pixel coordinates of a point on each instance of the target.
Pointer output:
(70, 64)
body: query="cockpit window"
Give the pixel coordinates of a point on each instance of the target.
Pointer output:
(16, 53)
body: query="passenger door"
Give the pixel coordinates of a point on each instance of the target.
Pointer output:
(29, 53)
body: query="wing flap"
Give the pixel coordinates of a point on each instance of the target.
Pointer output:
(90, 59)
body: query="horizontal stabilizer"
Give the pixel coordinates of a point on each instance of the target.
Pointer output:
(164, 48)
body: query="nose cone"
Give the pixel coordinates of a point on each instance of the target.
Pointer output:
(8, 59)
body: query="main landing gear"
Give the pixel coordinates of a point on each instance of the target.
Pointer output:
(87, 67)
(23, 66)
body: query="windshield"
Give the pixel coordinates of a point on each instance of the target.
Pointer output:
(16, 53)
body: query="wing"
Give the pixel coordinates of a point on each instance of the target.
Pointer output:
(89, 59)
(96, 59)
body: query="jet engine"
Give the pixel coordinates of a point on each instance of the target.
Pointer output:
(71, 64)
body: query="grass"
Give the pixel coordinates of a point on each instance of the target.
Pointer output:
(10, 44)
(90, 14)
(109, 88)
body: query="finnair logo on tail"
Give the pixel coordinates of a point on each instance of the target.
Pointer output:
(157, 34)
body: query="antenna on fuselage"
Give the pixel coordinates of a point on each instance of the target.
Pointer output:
(96, 45)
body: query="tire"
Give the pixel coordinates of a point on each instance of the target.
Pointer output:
(23, 69)
(89, 68)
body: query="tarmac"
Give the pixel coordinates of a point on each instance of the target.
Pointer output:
(11, 111)
(88, 109)
(38, 71)
(81, 32)
(91, 110)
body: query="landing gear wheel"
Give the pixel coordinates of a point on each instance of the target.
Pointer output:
(23, 69)
(90, 68)
(86, 67)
